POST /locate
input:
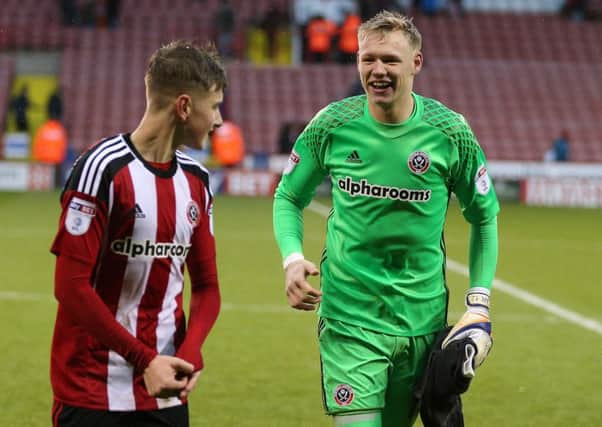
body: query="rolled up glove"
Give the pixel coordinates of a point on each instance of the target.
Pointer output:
(476, 326)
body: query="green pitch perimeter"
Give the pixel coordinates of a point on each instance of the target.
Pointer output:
(261, 359)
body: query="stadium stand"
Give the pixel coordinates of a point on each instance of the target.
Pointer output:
(511, 36)
(518, 78)
(30, 24)
(261, 99)
(530, 101)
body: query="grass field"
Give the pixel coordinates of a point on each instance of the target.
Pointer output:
(261, 358)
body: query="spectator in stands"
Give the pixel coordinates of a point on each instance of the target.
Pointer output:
(273, 23)
(369, 8)
(320, 33)
(54, 107)
(69, 12)
(227, 144)
(288, 135)
(225, 26)
(20, 105)
(50, 147)
(560, 147)
(575, 9)
(88, 13)
(347, 38)
(112, 11)
(430, 7)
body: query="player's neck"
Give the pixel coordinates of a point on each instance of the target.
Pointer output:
(154, 140)
(393, 113)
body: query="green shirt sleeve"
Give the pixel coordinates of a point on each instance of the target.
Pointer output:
(303, 173)
(483, 253)
(473, 187)
(470, 180)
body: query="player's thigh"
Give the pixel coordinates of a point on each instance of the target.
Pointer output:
(401, 407)
(363, 419)
(354, 365)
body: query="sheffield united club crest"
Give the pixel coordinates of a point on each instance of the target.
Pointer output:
(192, 213)
(343, 394)
(419, 162)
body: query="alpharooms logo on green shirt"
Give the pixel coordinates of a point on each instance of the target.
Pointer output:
(364, 188)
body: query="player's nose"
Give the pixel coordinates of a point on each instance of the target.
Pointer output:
(379, 68)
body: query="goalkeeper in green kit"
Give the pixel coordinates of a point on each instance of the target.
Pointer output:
(394, 158)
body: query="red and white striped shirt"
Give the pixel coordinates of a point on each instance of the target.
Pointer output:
(126, 231)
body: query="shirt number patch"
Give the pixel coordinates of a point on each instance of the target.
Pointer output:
(79, 216)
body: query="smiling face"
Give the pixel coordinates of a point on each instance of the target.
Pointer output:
(387, 64)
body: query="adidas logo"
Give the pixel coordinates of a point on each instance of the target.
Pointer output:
(353, 157)
(138, 212)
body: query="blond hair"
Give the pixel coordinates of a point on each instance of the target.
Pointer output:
(385, 22)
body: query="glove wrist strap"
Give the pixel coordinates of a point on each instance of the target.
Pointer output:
(477, 300)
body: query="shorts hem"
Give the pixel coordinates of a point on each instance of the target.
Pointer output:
(353, 411)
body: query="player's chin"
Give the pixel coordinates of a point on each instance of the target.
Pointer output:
(381, 99)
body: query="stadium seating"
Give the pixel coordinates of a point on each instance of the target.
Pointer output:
(529, 104)
(261, 99)
(519, 79)
(512, 37)
(30, 24)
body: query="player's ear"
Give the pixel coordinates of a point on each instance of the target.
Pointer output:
(183, 106)
(418, 61)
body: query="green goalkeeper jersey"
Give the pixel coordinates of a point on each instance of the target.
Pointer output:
(383, 267)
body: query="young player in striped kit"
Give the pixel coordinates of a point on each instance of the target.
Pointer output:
(393, 158)
(135, 212)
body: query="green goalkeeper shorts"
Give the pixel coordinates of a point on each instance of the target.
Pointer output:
(365, 371)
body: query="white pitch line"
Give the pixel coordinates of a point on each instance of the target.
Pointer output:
(22, 296)
(508, 288)
(534, 300)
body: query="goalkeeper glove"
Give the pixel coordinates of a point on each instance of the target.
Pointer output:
(476, 326)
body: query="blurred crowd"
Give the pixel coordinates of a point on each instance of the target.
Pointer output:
(305, 31)
(90, 13)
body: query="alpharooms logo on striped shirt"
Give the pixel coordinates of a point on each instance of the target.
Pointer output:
(149, 249)
(364, 188)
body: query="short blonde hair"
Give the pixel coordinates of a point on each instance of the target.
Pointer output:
(385, 22)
